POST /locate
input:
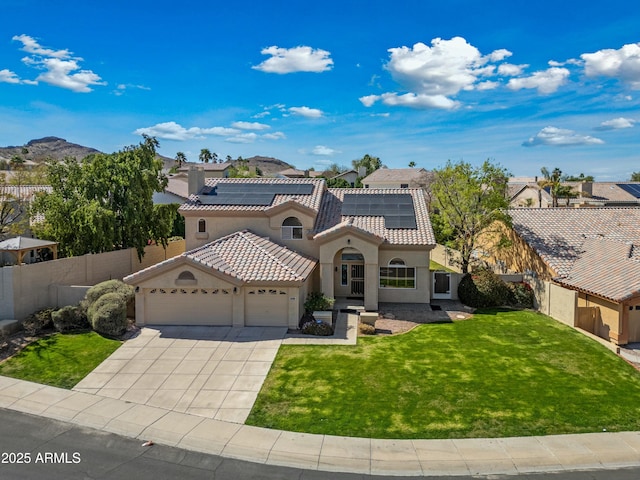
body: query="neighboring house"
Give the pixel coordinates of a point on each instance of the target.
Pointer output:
(587, 194)
(211, 170)
(295, 173)
(176, 191)
(257, 247)
(397, 178)
(350, 176)
(593, 251)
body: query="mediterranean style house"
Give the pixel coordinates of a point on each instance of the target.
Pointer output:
(594, 252)
(255, 248)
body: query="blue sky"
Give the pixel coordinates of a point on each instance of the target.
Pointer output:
(525, 84)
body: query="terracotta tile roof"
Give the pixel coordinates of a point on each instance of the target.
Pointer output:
(23, 192)
(586, 245)
(207, 167)
(394, 175)
(245, 256)
(311, 201)
(612, 192)
(330, 217)
(178, 186)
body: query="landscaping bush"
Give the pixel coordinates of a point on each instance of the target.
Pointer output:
(317, 301)
(520, 294)
(367, 329)
(69, 319)
(307, 317)
(108, 314)
(109, 286)
(320, 329)
(38, 321)
(482, 289)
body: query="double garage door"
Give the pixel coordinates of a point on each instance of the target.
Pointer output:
(189, 306)
(196, 306)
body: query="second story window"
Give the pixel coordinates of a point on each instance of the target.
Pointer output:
(202, 225)
(291, 229)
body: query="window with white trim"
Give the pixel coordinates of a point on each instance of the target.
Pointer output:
(291, 229)
(397, 275)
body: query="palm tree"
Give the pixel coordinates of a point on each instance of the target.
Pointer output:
(551, 180)
(180, 158)
(214, 156)
(205, 155)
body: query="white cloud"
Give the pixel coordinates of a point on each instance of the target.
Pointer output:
(411, 100)
(243, 138)
(616, 124)
(322, 151)
(7, 76)
(274, 136)
(121, 88)
(623, 64)
(545, 81)
(306, 112)
(175, 131)
(60, 68)
(297, 59)
(559, 137)
(511, 70)
(250, 125)
(500, 54)
(487, 85)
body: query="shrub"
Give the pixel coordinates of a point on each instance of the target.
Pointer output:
(108, 314)
(520, 295)
(367, 329)
(69, 319)
(320, 329)
(109, 286)
(317, 301)
(38, 321)
(483, 289)
(307, 317)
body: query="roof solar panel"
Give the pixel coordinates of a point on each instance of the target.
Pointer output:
(247, 199)
(632, 188)
(396, 208)
(273, 188)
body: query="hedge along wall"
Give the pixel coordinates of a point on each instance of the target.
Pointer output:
(27, 288)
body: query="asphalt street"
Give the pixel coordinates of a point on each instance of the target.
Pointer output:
(35, 448)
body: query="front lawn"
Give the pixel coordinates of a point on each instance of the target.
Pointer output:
(501, 373)
(59, 360)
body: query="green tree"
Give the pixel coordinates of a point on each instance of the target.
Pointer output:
(466, 203)
(180, 159)
(579, 178)
(105, 202)
(205, 155)
(370, 163)
(12, 211)
(635, 177)
(214, 157)
(412, 164)
(552, 181)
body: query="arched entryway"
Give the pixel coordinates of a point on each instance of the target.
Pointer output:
(349, 278)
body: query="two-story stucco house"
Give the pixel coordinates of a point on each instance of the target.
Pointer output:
(257, 247)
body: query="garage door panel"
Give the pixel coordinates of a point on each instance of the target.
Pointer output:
(266, 307)
(188, 306)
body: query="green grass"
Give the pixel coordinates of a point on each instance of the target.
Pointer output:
(436, 266)
(59, 360)
(501, 373)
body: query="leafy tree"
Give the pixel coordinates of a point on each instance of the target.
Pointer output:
(12, 211)
(579, 178)
(105, 202)
(412, 164)
(180, 159)
(466, 203)
(337, 183)
(635, 177)
(205, 155)
(370, 163)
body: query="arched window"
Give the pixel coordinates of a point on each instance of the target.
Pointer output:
(186, 278)
(202, 225)
(291, 229)
(397, 275)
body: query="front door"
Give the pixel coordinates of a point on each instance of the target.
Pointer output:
(357, 279)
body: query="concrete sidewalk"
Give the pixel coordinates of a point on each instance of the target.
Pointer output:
(324, 452)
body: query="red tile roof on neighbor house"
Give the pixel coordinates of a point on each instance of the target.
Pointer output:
(595, 250)
(311, 201)
(330, 217)
(244, 256)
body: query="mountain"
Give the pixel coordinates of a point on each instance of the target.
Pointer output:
(53, 147)
(267, 165)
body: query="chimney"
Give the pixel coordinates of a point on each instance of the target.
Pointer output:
(196, 179)
(586, 189)
(306, 174)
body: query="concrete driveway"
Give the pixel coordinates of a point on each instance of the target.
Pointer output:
(214, 372)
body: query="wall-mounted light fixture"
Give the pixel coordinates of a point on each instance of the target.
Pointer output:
(348, 241)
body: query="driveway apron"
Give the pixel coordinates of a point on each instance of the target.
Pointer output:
(214, 372)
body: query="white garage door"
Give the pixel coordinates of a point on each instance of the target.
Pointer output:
(265, 307)
(188, 306)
